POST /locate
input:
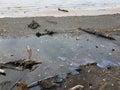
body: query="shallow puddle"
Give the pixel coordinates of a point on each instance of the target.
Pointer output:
(59, 54)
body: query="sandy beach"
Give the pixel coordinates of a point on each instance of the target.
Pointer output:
(59, 41)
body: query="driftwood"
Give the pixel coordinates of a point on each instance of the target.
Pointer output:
(63, 10)
(21, 64)
(97, 34)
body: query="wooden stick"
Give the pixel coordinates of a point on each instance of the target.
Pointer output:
(97, 34)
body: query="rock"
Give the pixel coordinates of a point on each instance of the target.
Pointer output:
(38, 34)
(2, 72)
(77, 87)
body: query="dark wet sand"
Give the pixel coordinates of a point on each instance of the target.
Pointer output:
(18, 28)
(15, 27)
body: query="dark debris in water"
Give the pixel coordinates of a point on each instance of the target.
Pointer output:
(87, 78)
(90, 76)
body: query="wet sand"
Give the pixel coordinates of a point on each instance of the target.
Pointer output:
(64, 50)
(17, 27)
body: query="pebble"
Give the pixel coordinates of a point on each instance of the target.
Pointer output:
(77, 87)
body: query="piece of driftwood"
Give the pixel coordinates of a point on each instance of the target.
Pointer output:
(97, 34)
(21, 64)
(63, 10)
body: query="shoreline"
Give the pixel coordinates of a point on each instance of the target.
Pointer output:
(21, 13)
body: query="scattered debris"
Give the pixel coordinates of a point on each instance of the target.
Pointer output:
(63, 10)
(97, 34)
(33, 25)
(82, 82)
(77, 87)
(20, 64)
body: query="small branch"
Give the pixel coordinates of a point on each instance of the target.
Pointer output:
(97, 34)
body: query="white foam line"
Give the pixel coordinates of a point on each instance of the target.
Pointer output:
(18, 12)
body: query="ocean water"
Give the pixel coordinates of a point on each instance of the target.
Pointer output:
(9, 8)
(79, 4)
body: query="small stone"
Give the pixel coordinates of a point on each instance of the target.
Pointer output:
(96, 46)
(38, 50)
(89, 71)
(38, 34)
(113, 49)
(110, 53)
(77, 87)
(104, 80)
(112, 84)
